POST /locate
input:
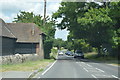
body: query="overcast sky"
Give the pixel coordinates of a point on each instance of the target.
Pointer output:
(10, 8)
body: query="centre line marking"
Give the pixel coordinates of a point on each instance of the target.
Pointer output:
(100, 70)
(49, 68)
(89, 65)
(83, 62)
(85, 69)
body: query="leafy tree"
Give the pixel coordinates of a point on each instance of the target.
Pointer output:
(114, 14)
(91, 22)
(59, 43)
(30, 17)
(98, 25)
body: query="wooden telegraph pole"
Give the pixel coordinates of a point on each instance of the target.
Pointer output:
(44, 12)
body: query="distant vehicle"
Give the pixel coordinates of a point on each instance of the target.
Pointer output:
(69, 53)
(60, 53)
(78, 53)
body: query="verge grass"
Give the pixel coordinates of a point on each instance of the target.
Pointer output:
(26, 66)
(106, 59)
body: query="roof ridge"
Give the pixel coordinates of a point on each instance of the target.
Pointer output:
(9, 30)
(5, 26)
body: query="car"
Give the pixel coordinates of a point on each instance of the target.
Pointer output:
(60, 53)
(78, 53)
(69, 53)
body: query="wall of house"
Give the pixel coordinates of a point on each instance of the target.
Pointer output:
(25, 48)
(0, 46)
(18, 58)
(41, 48)
(8, 46)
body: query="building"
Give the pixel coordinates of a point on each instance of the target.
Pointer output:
(27, 38)
(7, 40)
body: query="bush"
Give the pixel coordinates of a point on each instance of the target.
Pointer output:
(53, 53)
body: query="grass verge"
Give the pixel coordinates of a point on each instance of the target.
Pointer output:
(26, 66)
(108, 59)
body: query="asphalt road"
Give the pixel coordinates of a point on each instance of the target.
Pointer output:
(68, 67)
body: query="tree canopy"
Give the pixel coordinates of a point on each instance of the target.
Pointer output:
(96, 24)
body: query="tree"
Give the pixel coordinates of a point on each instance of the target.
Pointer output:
(114, 14)
(91, 22)
(30, 17)
(98, 25)
(59, 43)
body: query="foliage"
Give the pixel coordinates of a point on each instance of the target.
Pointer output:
(53, 53)
(59, 43)
(30, 17)
(78, 44)
(47, 48)
(97, 25)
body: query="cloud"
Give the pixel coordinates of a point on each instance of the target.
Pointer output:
(6, 18)
(10, 9)
(52, 7)
(13, 7)
(61, 34)
(30, 0)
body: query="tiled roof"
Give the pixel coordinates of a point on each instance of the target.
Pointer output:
(25, 32)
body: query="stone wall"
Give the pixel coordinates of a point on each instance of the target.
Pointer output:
(18, 58)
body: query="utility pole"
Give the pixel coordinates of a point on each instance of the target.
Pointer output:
(44, 21)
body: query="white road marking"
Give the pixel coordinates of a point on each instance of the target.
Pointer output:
(94, 76)
(89, 65)
(100, 70)
(80, 65)
(90, 68)
(83, 62)
(114, 76)
(49, 68)
(85, 69)
(103, 75)
(39, 77)
(94, 71)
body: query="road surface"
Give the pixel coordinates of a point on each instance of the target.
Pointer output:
(68, 67)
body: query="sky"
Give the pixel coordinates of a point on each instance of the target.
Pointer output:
(10, 8)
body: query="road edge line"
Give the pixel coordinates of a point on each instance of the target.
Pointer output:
(49, 68)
